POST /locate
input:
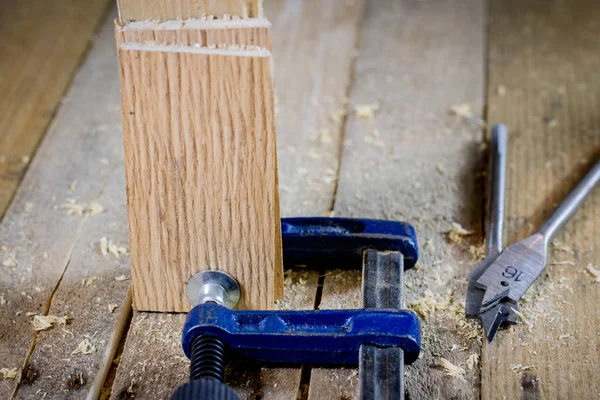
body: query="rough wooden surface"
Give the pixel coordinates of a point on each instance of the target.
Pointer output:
(413, 161)
(302, 41)
(161, 10)
(544, 84)
(75, 161)
(41, 45)
(218, 207)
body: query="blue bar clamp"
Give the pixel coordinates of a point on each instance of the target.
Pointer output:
(325, 337)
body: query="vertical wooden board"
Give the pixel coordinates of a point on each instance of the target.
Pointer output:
(161, 10)
(192, 182)
(38, 232)
(41, 43)
(318, 70)
(413, 161)
(544, 84)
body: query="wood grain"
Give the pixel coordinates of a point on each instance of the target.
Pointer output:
(76, 160)
(41, 46)
(161, 10)
(199, 134)
(312, 72)
(245, 33)
(544, 84)
(415, 162)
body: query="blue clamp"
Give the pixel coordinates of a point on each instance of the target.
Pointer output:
(339, 242)
(326, 337)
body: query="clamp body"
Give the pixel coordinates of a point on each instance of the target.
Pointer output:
(325, 337)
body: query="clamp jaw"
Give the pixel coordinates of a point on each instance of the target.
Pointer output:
(380, 337)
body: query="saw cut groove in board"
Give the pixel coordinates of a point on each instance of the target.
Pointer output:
(243, 33)
(199, 134)
(161, 10)
(544, 85)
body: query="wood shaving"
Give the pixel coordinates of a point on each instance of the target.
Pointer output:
(122, 278)
(2, 299)
(84, 347)
(80, 209)
(88, 281)
(108, 247)
(440, 168)
(9, 262)
(25, 159)
(564, 336)
(8, 373)
(594, 272)
(465, 111)
(112, 307)
(521, 368)
(457, 232)
(556, 245)
(450, 369)
(472, 361)
(73, 185)
(566, 262)
(325, 136)
(43, 322)
(365, 111)
(478, 252)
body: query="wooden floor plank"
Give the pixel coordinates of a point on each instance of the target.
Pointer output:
(41, 45)
(412, 161)
(544, 84)
(312, 47)
(68, 175)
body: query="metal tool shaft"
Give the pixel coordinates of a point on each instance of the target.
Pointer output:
(381, 370)
(497, 188)
(570, 204)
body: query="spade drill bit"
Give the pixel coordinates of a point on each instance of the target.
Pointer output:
(519, 265)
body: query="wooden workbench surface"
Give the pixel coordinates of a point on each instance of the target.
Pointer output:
(382, 112)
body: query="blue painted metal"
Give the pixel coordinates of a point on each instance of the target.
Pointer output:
(339, 242)
(312, 337)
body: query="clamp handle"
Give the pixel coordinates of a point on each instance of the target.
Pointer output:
(322, 241)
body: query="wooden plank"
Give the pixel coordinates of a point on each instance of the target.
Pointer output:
(312, 72)
(161, 10)
(40, 236)
(198, 33)
(544, 83)
(413, 161)
(207, 212)
(42, 43)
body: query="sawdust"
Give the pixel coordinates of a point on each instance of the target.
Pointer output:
(557, 245)
(564, 336)
(325, 136)
(450, 369)
(10, 262)
(80, 209)
(472, 361)
(85, 347)
(8, 373)
(365, 111)
(516, 368)
(107, 247)
(112, 308)
(122, 278)
(457, 233)
(594, 272)
(43, 322)
(88, 281)
(2, 299)
(478, 252)
(465, 111)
